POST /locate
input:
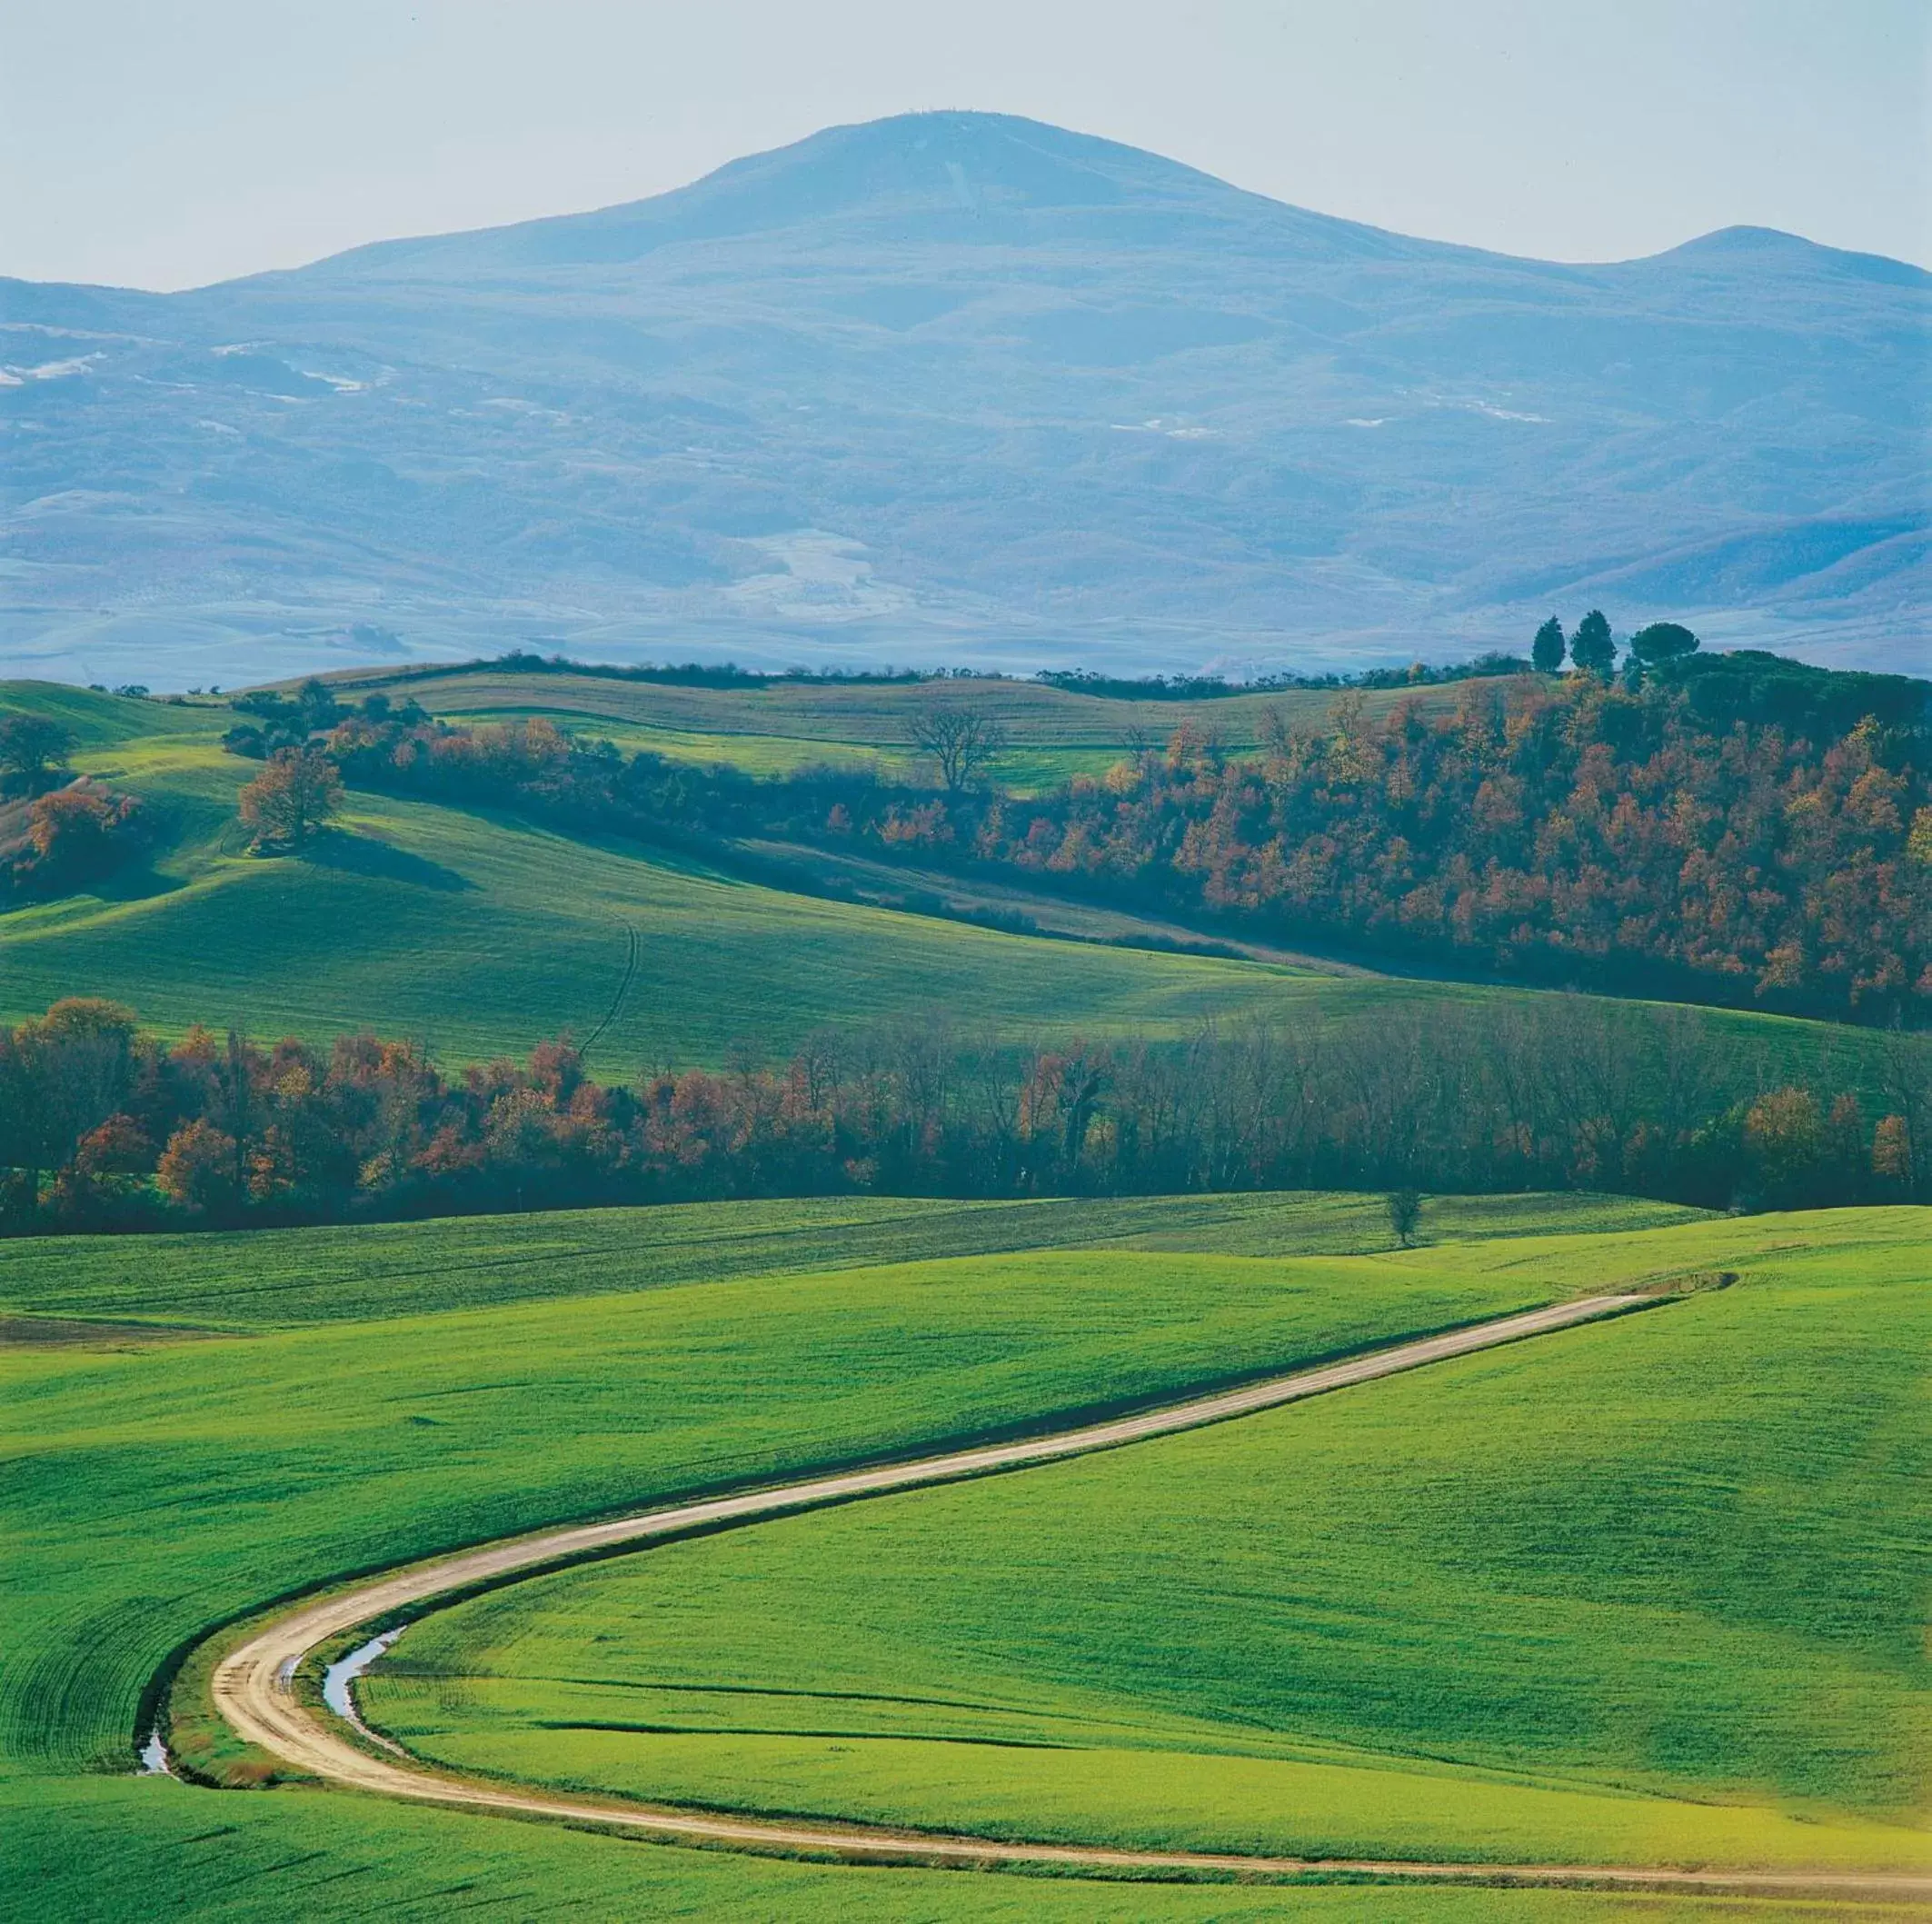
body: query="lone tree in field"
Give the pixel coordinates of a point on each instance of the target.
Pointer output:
(1546, 653)
(1405, 1211)
(290, 797)
(1662, 642)
(31, 746)
(963, 740)
(1592, 647)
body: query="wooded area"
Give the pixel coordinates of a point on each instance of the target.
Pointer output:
(106, 1127)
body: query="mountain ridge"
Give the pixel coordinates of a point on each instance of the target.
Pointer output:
(955, 387)
(1728, 240)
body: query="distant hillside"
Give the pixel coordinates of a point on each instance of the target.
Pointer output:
(955, 387)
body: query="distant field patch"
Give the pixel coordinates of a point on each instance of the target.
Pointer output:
(1054, 733)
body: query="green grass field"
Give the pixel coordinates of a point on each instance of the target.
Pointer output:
(468, 1422)
(376, 1394)
(1649, 1593)
(278, 1278)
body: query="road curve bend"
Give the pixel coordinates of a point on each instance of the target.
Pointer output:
(254, 1691)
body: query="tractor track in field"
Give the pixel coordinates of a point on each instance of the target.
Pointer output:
(634, 949)
(258, 1690)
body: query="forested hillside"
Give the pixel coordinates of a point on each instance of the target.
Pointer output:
(1736, 829)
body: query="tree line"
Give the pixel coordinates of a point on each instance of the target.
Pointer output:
(106, 1126)
(1575, 831)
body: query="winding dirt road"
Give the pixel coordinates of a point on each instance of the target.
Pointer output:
(253, 1686)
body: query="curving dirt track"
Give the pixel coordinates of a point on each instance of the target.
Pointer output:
(253, 1687)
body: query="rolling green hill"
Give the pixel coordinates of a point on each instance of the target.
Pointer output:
(485, 935)
(1647, 1592)
(630, 1388)
(230, 1420)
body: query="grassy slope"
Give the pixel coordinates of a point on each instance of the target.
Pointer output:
(377, 925)
(1605, 1596)
(487, 936)
(268, 1279)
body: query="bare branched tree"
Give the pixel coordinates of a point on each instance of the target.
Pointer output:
(961, 740)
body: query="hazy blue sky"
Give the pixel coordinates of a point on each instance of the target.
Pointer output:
(164, 146)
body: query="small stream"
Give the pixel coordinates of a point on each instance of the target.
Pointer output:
(336, 1693)
(341, 1675)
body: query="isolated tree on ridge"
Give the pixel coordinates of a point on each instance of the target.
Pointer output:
(1546, 653)
(292, 797)
(961, 740)
(1592, 647)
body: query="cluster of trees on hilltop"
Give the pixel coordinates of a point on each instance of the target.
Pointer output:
(1695, 837)
(104, 1126)
(1592, 648)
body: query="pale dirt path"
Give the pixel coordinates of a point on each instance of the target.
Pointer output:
(253, 1686)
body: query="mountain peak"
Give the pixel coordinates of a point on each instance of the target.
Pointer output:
(965, 160)
(1755, 248)
(961, 375)
(951, 174)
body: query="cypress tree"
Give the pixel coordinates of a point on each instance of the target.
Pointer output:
(1591, 648)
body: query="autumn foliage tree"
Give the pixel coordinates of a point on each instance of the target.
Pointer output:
(197, 1169)
(75, 836)
(292, 798)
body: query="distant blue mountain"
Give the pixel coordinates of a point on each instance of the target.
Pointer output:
(961, 387)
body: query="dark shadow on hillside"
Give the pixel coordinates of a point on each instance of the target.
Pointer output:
(135, 885)
(364, 855)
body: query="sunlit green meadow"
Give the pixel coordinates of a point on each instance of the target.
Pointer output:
(1647, 1592)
